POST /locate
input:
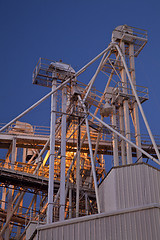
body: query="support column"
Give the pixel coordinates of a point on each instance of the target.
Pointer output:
(91, 155)
(121, 123)
(52, 153)
(135, 106)
(78, 168)
(20, 213)
(70, 202)
(126, 110)
(24, 155)
(4, 190)
(140, 107)
(63, 154)
(21, 203)
(11, 191)
(86, 203)
(93, 166)
(115, 138)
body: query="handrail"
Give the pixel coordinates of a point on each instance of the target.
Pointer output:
(45, 131)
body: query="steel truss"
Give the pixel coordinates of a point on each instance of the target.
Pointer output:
(61, 168)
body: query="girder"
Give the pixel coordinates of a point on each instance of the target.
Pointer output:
(63, 164)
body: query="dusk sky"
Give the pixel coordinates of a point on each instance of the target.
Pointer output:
(74, 31)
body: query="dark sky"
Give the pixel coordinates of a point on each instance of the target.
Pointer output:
(74, 31)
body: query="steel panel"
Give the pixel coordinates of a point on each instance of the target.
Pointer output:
(133, 224)
(130, 198)
(129, 186)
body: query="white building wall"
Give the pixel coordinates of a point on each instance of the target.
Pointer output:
(130, 201)
(130, 186)
(141, 223)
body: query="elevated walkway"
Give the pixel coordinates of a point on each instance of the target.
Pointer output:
(105, 143)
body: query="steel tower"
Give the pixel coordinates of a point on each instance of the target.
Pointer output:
(52, 173)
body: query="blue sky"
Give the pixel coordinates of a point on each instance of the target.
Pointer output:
(74, 31)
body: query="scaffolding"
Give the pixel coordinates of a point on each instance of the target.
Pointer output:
(52, 173)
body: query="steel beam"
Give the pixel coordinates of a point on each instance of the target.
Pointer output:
(53, 91)
(11, 213)
(121, 123)
(91, 155)
(63, 155)
(135, 106)
(126, 109)
(124, 138)
(90, 84)
(139, 104)
(52, 154)
(115, 139)
(78, 168)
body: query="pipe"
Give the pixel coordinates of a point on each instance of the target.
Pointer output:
(63, 156)
(91, 155)
(139, 104)
(96, 73)
(52, 92)
(52, 154)
(124, 138)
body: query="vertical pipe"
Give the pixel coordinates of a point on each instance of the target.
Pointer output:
(59, 87)
(14, 153)
(10, 193)
(126, 110)
(139, 104)
(121, 136)
(115, 138)
(63, 154)
(135, 106)
(93, 166)
(121, 123)
(127, 131)
(86, 203)
(70, 202)
(4, 190)
(52, 153)
(78, 168)
(137, 132)
(24, 155)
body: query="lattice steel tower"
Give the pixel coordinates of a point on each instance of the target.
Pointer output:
(62, 166)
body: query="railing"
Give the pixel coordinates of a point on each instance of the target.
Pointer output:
(139, 32)
(42, 74)
(131, 35)
(44, 170)
(125, 89)
(43, 64)
(27, 129)
(132, 31)
(104, 136)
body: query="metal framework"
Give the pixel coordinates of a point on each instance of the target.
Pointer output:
(52, 174)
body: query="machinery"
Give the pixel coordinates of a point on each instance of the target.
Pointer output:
(51, 174)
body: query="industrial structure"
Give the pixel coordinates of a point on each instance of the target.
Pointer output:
(56, 176)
